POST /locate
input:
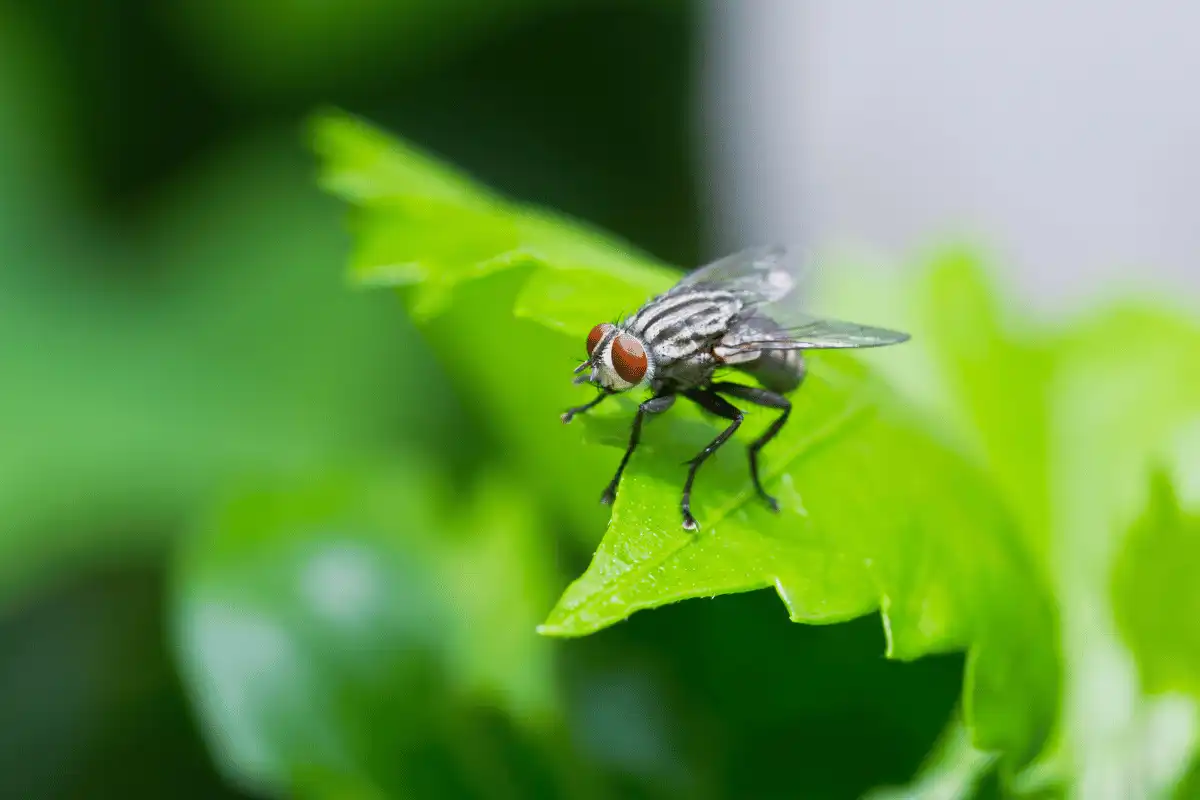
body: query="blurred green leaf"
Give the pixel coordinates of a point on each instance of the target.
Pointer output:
(998, 366)
(976, 363)
(1125, 390)
(1155, 586)
(877, 511)
(953, 770)
(346, 635)
(1189, 787)
(1071, 420)
(497, 578)
(235, 351)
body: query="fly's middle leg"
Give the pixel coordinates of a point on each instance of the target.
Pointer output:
(770, 400)
(714, 403)
(655, 405)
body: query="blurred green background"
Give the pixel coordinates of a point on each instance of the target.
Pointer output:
(175, 327)
(198, 417)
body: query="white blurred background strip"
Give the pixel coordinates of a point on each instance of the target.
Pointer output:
(1065, 135)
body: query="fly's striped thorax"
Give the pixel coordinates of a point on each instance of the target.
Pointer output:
(678, 325)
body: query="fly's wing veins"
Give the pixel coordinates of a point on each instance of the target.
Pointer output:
(761, 274)
(766, 278)
(765, 333)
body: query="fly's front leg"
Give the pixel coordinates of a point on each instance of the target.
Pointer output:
(655, 405)
(761, 397)
(570, 413)
(714, 403)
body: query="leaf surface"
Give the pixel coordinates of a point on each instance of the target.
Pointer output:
(880, 509)
(1073, 420)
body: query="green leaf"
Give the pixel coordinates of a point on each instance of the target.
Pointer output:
(498, 577)
(1071, 421)
(975, 362)
(926, 544)
(1155, 587)
(251, 357)
(418, 221)
(343, 635)
(878, 510)
(1125, 390)
(365, 165)
(1156, 602)
(953, 770)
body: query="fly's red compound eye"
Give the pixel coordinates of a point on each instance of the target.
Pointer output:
(596, 335)
(629, 358)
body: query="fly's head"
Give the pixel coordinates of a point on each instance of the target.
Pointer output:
(617, 360)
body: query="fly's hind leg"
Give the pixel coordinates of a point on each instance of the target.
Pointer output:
(768, 399)
(712, 402)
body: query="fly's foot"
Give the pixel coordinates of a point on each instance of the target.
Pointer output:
(567, 416)
(771, 502)
(689, 522)
(610, 494)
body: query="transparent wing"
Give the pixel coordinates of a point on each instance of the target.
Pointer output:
(803, 332)
(765, 274)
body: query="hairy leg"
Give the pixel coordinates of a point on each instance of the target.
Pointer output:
(714, 403)
(760, 397)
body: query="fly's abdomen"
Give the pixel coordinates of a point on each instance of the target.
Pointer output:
(777, 370)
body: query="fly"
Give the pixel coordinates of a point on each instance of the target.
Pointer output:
(736, 312)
